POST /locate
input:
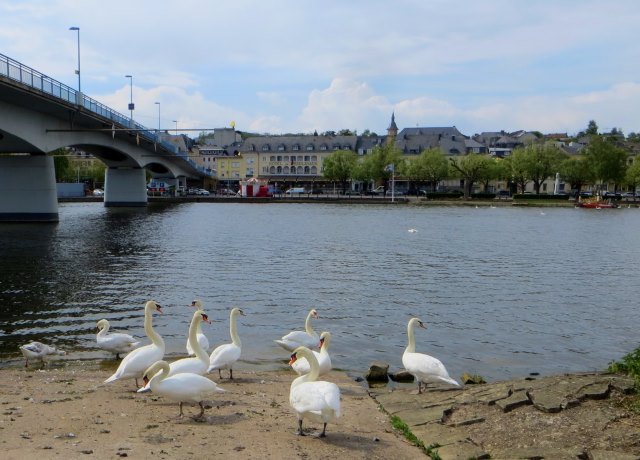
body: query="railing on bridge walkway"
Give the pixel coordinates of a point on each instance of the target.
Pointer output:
(14, 70)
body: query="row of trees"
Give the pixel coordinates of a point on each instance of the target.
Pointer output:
(602, 162)
(71, 169)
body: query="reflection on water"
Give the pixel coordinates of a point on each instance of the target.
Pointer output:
(504, 291)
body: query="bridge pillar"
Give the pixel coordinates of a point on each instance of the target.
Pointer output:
(125, 187)
(28, 189)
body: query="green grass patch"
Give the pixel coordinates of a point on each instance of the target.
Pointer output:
(398, 424)
(629, 364)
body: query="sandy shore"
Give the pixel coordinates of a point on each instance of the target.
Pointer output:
(65, 410)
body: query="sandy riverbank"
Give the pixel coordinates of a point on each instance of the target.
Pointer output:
(65, 411)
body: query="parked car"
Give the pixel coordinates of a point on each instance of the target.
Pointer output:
(629, 195)
(227, 192)
(202, 192)
(98, 192)
(295, 191)
(317, 191)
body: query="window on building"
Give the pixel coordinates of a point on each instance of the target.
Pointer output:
(279, 158)
(314, 158)
(306, 170)
(281, 148)
(266, 148)
(279, 170)
(310, 147)
(272, 170)
(285, 170)
(307, 158)
(272, 158)
(314, 170)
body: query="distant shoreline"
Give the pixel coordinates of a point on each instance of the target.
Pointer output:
(339, 199)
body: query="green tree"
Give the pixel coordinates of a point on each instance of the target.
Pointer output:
(632, 176)
(472, 168)
(430, 166)
(607, 161)
(518, 168)
(575, 171)
(592, 128)
(62, 165)
(339, 166)
(375, 167)
(497, 170)
(540, 162)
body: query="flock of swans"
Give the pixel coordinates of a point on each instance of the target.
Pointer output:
(185, 381)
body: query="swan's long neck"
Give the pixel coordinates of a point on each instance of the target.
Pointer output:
(105, 328)
(411, 346)
(148, 328)
(159, 376)
(324, 349)
(233, 329)
(314, 373)
(307, 324)
(196, 323)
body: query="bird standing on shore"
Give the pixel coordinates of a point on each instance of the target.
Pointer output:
(182, 388)
(137, 361)
(425, 368)
(194, 365)
(114, 342)
(202, 339)
(307, 338)
(37, 350)
(225, 356)
(312, 398)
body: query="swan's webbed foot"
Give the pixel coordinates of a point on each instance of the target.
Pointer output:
(300, 432)
(230, 374)
(324, 432)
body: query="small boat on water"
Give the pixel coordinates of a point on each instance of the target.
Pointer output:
(596, 202)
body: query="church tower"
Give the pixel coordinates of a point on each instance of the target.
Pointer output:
(392, 130)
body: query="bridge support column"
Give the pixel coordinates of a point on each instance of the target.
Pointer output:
(125, 187)
(28, 189)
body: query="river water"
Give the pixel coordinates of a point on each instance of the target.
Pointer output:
(504, 291)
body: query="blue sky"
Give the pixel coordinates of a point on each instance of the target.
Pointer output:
(298, 66)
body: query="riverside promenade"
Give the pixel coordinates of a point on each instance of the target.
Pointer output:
(576, 416)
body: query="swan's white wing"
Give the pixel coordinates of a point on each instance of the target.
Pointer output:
(319, 398)
(117, 342)
(188, 365)
(187, 388)
(296, 339)
(224, 356)
(137, 361)
(426, 368)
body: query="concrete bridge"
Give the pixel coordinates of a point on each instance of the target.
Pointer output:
(39, 115)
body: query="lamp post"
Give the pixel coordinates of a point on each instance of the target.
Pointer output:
(158, 117)
(131, 106)
(77, 29)
(176, 122)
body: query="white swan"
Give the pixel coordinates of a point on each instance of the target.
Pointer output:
(182, 388)
(317, 400)
(197, 365)
(307, 338)
(224, 356)
(202, 339)
(37, 350)
(425, 368)
(138, 360)
(301, 366)
(114, 342)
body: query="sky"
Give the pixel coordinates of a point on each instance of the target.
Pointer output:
(298, 66)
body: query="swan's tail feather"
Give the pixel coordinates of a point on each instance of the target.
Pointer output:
(451, 381)
(113, 378)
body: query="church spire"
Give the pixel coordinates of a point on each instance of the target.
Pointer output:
(392, 130)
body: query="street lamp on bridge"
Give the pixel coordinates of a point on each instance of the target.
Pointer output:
(131, 106)
(176, 122)
(158, 117)
(77, 29)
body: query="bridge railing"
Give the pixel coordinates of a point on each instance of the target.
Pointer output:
(17, 71)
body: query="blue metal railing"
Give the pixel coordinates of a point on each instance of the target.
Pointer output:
(14, 70)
